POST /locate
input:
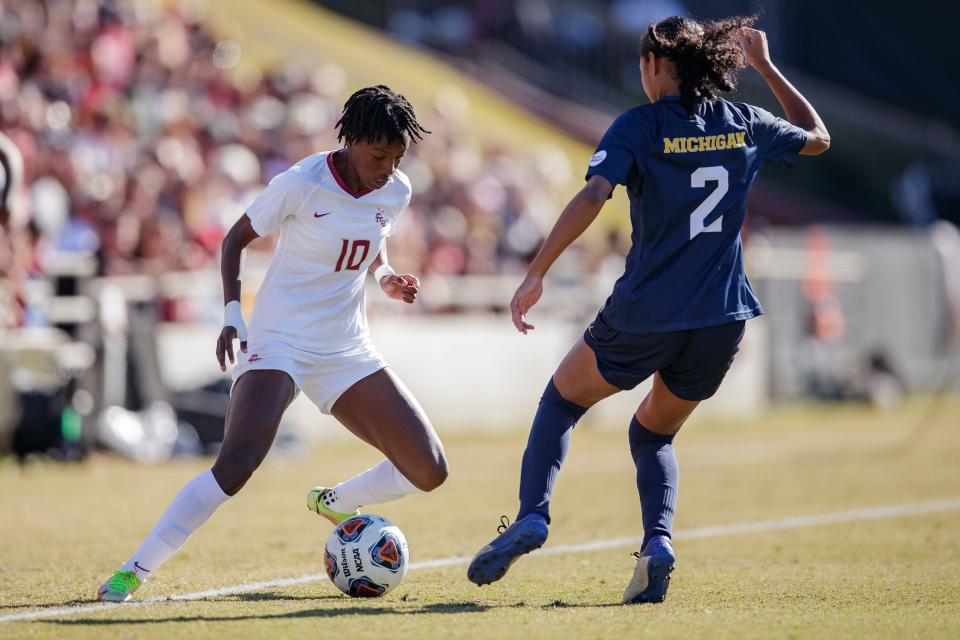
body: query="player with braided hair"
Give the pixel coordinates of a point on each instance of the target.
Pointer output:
(378, 113)
(308, 331)
(677, 314)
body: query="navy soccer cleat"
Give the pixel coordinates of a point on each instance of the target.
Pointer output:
(523, 536)
(651, 577)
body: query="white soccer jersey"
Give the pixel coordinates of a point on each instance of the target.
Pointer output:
(312, 297)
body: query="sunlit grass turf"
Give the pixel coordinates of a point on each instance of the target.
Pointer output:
(65, 528)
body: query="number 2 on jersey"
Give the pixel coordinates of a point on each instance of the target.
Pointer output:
(353, 262)
(698, 180)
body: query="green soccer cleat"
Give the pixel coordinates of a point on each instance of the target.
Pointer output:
(120, 587)
(319, 500)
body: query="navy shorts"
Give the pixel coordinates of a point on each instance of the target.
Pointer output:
(692, 363)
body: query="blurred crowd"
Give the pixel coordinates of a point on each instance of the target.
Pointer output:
(142, 142)
(572, 47)
(568, 25)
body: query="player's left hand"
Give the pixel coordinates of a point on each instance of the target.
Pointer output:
(526, 296)
(401, 287)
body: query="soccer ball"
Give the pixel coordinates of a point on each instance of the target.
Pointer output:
(366, 556)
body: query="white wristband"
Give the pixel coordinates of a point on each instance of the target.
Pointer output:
(232, 317)
(383, 271)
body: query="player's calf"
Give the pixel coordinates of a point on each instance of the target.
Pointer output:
(189, 509)
(383, 482)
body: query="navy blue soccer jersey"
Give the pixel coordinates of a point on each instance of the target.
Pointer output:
(687, 178)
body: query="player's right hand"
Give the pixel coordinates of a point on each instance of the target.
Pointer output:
(753, 42)
(526, 296)
(225, 346)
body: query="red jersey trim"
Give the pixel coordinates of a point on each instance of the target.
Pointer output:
(343, 185)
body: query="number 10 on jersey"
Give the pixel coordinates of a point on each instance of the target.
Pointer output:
(698, 180)
(354, 261)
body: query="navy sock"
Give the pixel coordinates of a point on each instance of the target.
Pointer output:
(658, 478)
(546, 448)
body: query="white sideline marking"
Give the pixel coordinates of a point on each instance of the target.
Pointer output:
(757, 526)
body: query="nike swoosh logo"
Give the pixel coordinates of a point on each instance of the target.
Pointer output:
(137, 565)
(320, 215)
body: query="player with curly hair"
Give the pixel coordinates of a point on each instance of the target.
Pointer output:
(678, 312)
(308, 331)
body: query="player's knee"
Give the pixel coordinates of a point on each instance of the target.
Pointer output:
(234, 468)
(663, 419)
(230, 479)
(431, 475)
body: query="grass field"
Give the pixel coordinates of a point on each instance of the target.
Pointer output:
(64, 528)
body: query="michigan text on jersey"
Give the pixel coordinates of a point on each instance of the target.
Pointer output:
(693, 144)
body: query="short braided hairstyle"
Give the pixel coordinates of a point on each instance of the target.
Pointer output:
(705, 53)
(377, 113)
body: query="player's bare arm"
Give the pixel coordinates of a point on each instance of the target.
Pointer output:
(403, 287)
(678, 312)
(239, 236)
(573, 221)
(797, 109)
(333, 211)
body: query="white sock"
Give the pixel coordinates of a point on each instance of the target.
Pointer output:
(195, 503)
(380, 483)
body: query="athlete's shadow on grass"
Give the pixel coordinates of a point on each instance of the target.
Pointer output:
(388, 608)
(560, 604)
(50, 605)
(272, 595)
(246, 597)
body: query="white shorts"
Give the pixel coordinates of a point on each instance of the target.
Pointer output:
(323, 378)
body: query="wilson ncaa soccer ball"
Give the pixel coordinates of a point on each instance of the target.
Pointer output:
(366, 556)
